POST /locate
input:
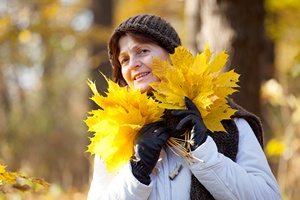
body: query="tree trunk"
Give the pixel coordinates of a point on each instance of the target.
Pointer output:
(103, 17)
(236, 26)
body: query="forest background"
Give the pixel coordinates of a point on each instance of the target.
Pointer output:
(49, 48)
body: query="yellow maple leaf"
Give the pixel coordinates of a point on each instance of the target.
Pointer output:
(7, 177)
(198, 78)
(123, 111)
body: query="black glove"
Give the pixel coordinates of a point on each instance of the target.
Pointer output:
(150, 141)
(191, 119)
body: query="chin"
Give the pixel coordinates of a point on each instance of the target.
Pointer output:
(144, 89)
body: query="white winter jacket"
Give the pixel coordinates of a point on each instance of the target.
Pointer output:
(249, 177)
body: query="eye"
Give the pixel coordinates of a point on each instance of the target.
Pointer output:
(123, 61)
(143, 51)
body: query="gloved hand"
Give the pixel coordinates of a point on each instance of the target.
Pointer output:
(191, 119)
(150, 141)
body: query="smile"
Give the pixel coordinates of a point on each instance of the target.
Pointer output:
(141, 75)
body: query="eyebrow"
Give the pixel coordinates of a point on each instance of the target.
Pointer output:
(136, 46)
(133, 48)
(121, 54)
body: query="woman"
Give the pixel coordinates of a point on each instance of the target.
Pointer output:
(234, 166)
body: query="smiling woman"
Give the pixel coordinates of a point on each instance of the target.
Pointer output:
(136, 62)
(160, 33)
(225, 164)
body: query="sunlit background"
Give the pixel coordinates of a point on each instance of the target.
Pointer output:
(49, 48)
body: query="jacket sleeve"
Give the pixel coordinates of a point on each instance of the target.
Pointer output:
(250, 177)
(116, 186)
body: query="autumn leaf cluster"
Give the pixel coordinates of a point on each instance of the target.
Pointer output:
(199, 79)
(20, 181)
(123, 111)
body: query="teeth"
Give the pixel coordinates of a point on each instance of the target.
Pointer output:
(141, 75)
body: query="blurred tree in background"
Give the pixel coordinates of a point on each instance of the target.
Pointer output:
(236, 26)
(281, 95)
(49, 48)
(103, 18)
(44, 49)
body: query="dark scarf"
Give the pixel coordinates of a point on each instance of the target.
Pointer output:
(227, 144)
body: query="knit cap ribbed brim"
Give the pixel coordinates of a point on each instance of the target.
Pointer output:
(152, 25)
(156, 27)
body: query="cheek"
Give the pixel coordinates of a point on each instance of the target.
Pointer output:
(125, 74)
(149, 62)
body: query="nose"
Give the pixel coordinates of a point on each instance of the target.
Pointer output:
(134, 63)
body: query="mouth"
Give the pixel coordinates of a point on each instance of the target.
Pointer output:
(141, 75)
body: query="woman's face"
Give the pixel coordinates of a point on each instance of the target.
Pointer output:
(136, 62)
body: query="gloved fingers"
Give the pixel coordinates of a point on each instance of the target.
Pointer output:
(146, 155)
(161, 131)
(190, 120)
(148, 152)
(190, 105)
(185, 123)
(199, 138)
(149, 159)
(148, 130)
(153, 141)
(152, 126)
(183, 113)
(150, 141)
(163, 136)
(145, 129)
(191, 109)
(153, 144)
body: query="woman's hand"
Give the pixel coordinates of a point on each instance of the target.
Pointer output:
(150, 141)
(191, 119)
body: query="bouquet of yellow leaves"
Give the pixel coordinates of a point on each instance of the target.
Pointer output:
(124, 111)
(198, 79)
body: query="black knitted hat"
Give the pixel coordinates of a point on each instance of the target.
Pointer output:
(152, 25)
